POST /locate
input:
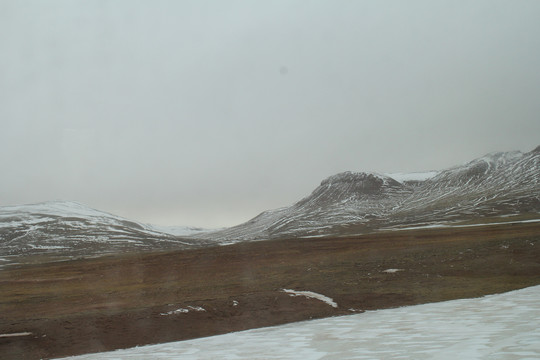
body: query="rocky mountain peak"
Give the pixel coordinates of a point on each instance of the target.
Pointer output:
(351, 186)
(361, 181)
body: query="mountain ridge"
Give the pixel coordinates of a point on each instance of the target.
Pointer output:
(499, 184)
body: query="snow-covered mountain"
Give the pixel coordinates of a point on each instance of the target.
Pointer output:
(498, 184)
(71, 229)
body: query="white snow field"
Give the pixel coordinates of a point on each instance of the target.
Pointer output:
(503, 326)
(415, 176)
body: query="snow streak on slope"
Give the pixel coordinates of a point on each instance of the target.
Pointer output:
(503, 326)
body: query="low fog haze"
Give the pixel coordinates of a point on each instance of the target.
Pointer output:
(206, 113)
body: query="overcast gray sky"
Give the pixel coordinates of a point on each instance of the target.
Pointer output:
(206, 113)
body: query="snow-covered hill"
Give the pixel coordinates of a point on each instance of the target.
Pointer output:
(70, 229)
(503, 326)
(498, 184)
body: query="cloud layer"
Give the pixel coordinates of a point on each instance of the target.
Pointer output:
(208, 112)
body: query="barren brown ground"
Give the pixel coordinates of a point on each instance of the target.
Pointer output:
(92, 305)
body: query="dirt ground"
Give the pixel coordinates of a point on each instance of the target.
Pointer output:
(92, 305)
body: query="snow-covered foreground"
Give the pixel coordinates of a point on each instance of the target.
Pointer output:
(504, 326)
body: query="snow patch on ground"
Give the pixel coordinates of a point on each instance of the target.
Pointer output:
(183, 310)
(391, 271)
(449, 225)
(15, 334)
(311, 294)
(503, 326)
(315, 236)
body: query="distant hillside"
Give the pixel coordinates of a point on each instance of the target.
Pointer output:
(497, 185)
